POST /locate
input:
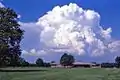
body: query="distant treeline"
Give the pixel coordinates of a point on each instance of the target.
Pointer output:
(24, 63)
(66, 60)
(109, 65)
(29, 65)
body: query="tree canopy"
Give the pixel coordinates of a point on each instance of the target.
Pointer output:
(10, 37)
(39, 62)
(117, 60)
(66, 60)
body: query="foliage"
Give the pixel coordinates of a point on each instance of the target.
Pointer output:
(47, 65)
(53, 62)
(23, 62)
(10, 37)
(39, 62)
(117, 60)
(108, 65)
(66, 60)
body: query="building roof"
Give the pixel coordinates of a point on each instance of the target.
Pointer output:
(83, 63)
(75, 63)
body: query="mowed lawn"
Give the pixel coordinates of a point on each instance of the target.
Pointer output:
(59, 74)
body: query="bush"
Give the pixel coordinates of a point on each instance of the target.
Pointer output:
(108, 65)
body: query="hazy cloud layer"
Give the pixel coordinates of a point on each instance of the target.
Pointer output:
(71, 29)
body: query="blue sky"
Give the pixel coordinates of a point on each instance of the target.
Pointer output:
(32, 10)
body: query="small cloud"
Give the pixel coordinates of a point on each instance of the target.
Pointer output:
(1, 5)
(34, 52)
(19, 16)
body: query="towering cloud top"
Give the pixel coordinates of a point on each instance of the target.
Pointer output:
(70, 28)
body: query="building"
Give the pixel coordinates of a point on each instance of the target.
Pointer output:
(83, 64)
(55, 65)
(75, 64)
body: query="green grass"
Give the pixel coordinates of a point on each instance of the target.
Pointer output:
(59, 74)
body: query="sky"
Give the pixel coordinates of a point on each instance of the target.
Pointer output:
(50, 30)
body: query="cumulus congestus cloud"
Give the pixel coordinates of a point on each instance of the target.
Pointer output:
(72, 29)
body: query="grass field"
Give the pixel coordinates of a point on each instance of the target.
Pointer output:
(59, 74)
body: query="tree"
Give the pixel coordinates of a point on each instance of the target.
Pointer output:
(67, 60)
(53, 62)
(71, 59)
(23, 62)
(39, 62)
(10, 37)
(108, 65)
(117, 60)
(47, 65)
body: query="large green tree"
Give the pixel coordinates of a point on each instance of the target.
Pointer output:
(39, 62)
(10, 37)
(117, 60)
(66, 60)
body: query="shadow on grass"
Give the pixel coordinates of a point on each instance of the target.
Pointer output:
(2, 70)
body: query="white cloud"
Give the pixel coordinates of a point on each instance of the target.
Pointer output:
(31, 35)
(114, 46)
(1, 5)
(33, 52)
(72, 29)
(30, 26)
(19, 16)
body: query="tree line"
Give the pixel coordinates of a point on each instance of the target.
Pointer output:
(112, 65)
(66, 60)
